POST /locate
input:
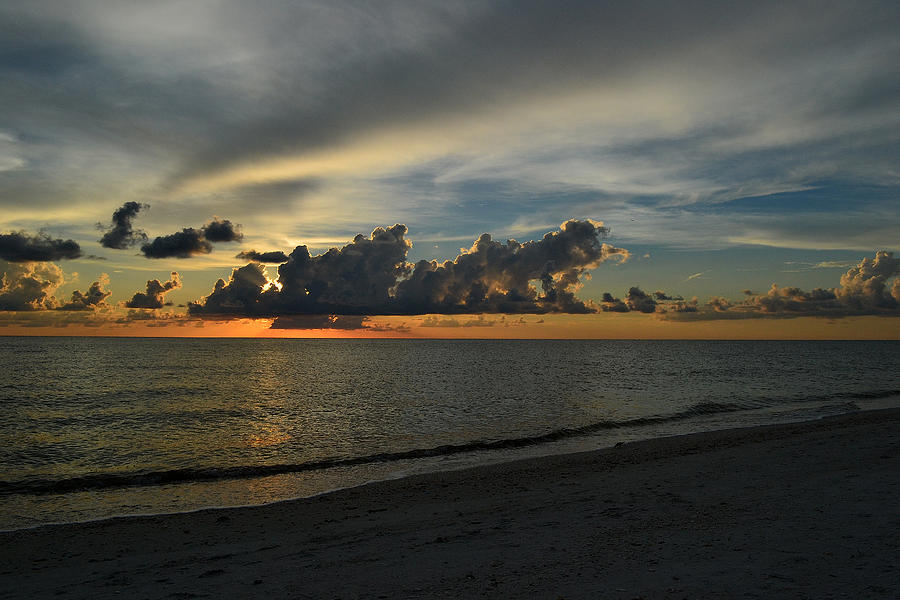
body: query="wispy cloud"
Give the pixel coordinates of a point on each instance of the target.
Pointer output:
(695, 276)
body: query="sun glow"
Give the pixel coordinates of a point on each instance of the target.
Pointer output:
(272, 283)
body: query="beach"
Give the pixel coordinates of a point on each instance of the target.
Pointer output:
(805, 510)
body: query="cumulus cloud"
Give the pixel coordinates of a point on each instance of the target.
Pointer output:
(29, 286)
(640, 301)
(635, 300)
(719, 304)
(222, 230)
(871, 287)
(122, 235)
(191, 242)
(19, 246)
(865, 286)
(275, 256)
(153, 296)
(371, 276)
(683, 306)
(610, 303)
(496, 277)
(93, 299)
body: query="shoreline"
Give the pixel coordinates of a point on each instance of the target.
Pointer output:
(803, 509)
(403, 474)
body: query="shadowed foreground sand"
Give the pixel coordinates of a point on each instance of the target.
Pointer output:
(798, 511)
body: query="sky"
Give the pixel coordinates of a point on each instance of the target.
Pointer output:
(666, 169)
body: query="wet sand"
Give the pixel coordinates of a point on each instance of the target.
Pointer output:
(806, 510)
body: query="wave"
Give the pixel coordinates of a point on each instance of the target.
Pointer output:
(101, 481)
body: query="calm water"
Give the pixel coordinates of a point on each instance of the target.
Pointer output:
(93, 427)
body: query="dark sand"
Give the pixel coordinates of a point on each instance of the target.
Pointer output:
(809, 510)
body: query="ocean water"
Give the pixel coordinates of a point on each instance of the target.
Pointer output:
(97, 427)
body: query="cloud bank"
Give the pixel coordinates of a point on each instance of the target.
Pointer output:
(371, 276)
(871, 287)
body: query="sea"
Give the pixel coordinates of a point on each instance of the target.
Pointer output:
(93, 428)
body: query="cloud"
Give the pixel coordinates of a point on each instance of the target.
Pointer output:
(496, 277)
(719, 304)
(343, 322)
(833, 264)
(640, 301)
(244, 294)
(121, 235)
(29, 286)
(183, 244)
(152, 318)
(871, 287)
(661, 295)
(93, 299)
(675, 103)
(371, 276)
(19, 246)
(479, 321)
(635, 300)
(683, 306)
(192, 242)
(610, 303)
(276, 256)
(153, 296)
(865, 286)
(222, 230)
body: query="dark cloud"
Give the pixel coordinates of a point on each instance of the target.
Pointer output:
(245, 293)
(19, 246)
(153, 297)
(276, 256)
(29, 286)
(183, 244)
(222, 230)
(93, 299)
(496, 277)
(371, 276)
(192, 242)
(662, 296)
(610, 303)
(635, 300)
(640, 301)
(121, 235)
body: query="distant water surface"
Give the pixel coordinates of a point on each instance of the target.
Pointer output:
(97, 427)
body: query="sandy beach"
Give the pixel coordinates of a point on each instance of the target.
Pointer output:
(805, 510)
